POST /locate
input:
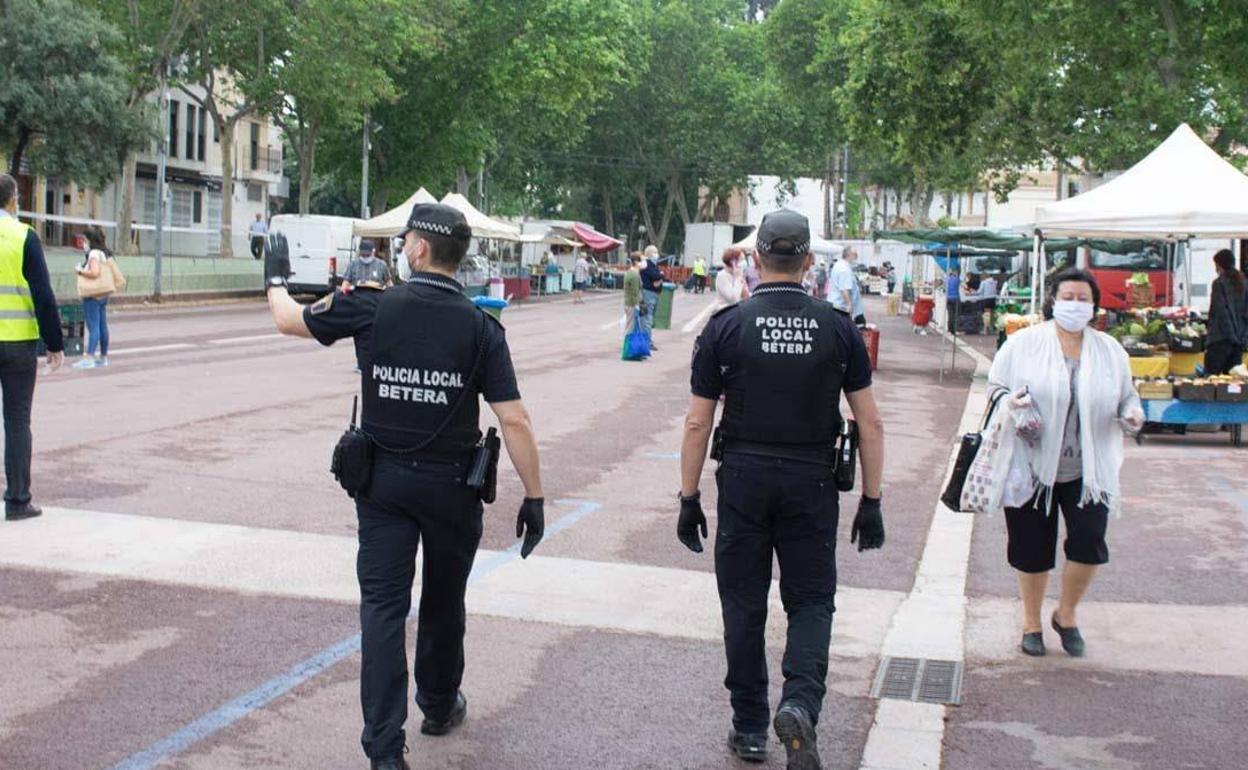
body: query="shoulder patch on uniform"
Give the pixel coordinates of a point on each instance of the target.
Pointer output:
(497, 321)
(323, 304)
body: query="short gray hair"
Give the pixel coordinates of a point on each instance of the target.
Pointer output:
(8, 190)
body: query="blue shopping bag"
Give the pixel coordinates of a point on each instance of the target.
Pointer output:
(636, 341)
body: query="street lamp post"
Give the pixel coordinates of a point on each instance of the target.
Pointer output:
(162, 152)
(364, 171)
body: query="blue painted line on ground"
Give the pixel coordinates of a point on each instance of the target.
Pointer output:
(213, 722)
(663, 455)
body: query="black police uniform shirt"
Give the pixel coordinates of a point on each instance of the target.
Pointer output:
(435, 333)
(793, 337)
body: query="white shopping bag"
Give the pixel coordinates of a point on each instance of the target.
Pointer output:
(986, 480)
(1020, 484)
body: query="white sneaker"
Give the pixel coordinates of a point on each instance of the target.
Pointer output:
(102, 361)
(86, 363)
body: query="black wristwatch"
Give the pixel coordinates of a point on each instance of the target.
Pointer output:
(275, 281)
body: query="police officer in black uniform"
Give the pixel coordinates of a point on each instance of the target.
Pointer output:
(781, 359)
(427, 353)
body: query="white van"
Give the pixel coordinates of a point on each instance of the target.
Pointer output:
(321, 247)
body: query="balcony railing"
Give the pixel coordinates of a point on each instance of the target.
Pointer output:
(266, 159)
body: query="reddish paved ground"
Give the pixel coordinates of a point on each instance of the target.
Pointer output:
(137, 604)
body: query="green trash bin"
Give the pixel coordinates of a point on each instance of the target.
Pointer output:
(663, 313)
(73, 330)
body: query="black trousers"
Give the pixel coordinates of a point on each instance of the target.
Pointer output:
(257, 247)
(18, 365)
(1032, 531)
(409, 502)
(1222, 357)
(789, 508)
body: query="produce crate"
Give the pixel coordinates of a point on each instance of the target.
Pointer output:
(1140, 296)
(1160, 390)
(1190, 391)
(1185, 344)
(1235, 393)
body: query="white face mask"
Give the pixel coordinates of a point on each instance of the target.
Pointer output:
(1072, 315)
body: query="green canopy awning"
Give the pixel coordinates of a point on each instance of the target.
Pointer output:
(992, 239)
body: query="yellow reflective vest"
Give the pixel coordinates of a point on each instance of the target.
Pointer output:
(17, 309)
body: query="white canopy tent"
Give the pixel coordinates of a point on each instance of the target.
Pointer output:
(1181, 190)
(482, 226)
(391, 223)
(817, 245)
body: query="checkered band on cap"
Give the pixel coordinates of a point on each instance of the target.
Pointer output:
(431, 227)
(798, 248)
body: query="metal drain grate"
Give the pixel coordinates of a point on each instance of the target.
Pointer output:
(919, 679)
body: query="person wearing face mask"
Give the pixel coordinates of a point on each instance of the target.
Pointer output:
(1078, 380)
(428, 353)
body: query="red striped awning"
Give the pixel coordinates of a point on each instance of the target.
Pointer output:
(595, 240)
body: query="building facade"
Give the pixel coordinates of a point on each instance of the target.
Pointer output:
(193, 205)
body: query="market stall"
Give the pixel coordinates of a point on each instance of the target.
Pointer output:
(393, 222)
(1182, 190)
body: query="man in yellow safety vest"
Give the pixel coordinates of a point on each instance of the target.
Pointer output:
(27, 313)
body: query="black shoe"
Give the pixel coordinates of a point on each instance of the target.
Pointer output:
(1033, 644)
(19, 512)
(458, 712)
(796, 731)
(752, 747)
(1072, 640)
(392, 763)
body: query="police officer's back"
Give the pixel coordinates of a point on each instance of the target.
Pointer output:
(430, 353)
(781, 359)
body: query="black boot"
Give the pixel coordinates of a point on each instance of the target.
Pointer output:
(796, 731)
(391, 763)
(752, 747)
(19, 512)
(442, 727)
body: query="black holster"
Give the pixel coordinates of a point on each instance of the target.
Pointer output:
(846, 455)
(352, 461)
(483, 475)
(717, 444)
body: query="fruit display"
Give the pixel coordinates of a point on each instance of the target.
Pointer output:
(1012, 322)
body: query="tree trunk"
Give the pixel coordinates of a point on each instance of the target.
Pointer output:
(608, 206)
(646, 218)
(380, 196)
(880, 212)
(462, 183)
(674, 193)
(227, 188)
(827, 199)
(23, 141)
(307, 163)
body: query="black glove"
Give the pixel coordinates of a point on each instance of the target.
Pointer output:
(531, 523)
(860, 321)
(276, 258)
(868, 529)
(691, 520)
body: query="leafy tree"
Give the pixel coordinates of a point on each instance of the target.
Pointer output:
(329, 80)
(152, 33)
(233, 58)
(63, 95)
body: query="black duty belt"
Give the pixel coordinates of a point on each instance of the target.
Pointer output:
(823, 454)
(449, 458)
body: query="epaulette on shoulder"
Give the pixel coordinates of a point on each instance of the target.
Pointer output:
(723, 310)
(497, 321)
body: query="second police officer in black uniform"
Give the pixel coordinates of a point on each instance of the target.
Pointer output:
(427, 353)
(781, 359)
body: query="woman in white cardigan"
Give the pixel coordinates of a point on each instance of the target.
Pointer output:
(1079, 382)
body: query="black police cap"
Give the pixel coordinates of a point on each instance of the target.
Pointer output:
(437, 218)
(783, 233)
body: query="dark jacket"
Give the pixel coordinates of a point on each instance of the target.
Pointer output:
(1228, 311)
(651, 276)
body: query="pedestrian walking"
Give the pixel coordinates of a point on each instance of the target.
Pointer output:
(580, 280)
(27, 313)
(651, 285)
(367, 268)
(1228, 316)
(258, 231)
(699, 274)
(953, 293)
(413, 467)
(789, 356)
(97, 281)
(730, 285)
(1078, 381)
(988, 291)
(843, 290)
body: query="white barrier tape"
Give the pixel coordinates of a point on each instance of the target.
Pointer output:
(107, 223)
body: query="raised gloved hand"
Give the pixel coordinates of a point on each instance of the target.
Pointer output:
(868, 528)
(531, 524)
(276, 258)
(691, 520)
